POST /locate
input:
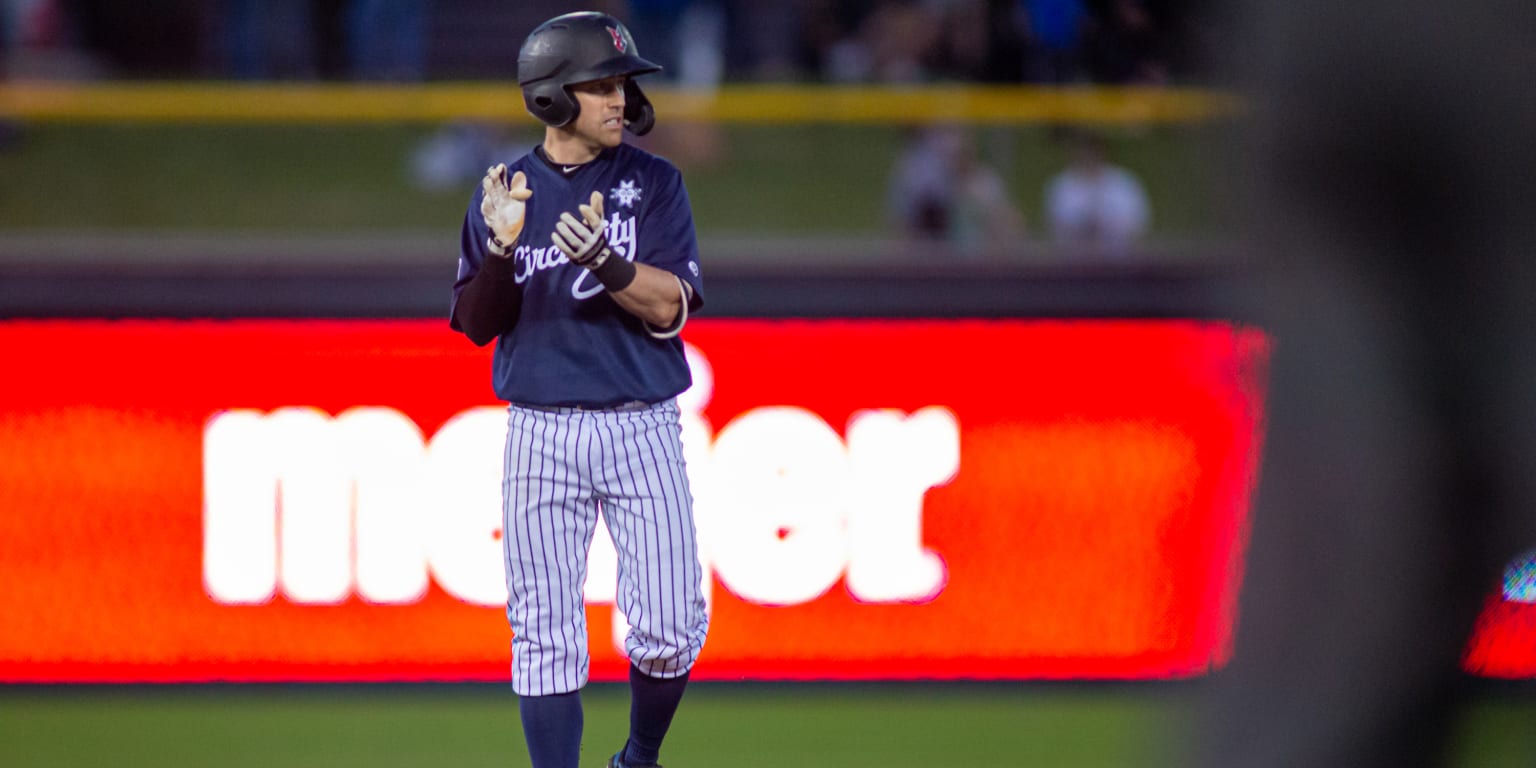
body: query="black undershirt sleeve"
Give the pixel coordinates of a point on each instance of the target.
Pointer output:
(489, 304)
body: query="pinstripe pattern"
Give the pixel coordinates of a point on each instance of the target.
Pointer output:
(562, 467)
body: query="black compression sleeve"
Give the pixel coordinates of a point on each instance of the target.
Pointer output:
(489, 304)
(615, 273)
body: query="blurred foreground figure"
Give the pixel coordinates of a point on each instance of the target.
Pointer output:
(1390, 171)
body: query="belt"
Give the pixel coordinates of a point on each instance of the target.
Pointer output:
(632, 405)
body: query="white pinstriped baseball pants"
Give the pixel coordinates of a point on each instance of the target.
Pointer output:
(561, 467)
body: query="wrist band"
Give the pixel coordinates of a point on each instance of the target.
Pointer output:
(615, 273)
(494, 245)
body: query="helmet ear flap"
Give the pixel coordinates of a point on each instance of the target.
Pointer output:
(639, 116)
(550, 103)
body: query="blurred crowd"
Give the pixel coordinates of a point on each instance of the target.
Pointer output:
(942, 189)
(699, 41)
(219, 39)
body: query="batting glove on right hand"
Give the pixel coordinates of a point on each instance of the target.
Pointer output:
(503, 206)
(585, 240)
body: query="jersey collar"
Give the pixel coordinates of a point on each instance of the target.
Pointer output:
(568, 171)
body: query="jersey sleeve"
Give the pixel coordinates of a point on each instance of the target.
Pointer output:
(667, 239)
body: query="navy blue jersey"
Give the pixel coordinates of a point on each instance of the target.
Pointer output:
(573, 344)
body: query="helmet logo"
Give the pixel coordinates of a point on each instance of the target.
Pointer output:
(618, 39)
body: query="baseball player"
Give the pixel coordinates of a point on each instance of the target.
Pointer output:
(579, 260)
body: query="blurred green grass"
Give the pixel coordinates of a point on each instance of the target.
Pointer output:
(745, 726)
(743, 179)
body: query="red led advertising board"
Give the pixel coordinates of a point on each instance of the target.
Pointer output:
(320, 501)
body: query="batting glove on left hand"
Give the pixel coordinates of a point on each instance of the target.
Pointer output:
(503, 207)
(584, 241)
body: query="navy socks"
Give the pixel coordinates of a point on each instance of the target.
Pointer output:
(552, 728)
(552, 725)
(652, 702)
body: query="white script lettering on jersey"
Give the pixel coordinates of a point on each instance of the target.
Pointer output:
(621, 240)
(530, 260)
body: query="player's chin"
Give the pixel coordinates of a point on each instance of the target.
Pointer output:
(611, 132)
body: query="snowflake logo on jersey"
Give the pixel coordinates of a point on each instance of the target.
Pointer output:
(618, 39)
(626, 193)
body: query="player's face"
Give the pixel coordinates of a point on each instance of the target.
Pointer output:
(601, 119)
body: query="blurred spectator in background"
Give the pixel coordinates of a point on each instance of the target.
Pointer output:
(656, 22)
(1053, 42)
(894, 42)
(269, 39)
(10, 10)
(9, 132)
(387, 39)
(77, 39)
(1055, 30)
(308, 39)
(35, 42)
(825, 25)
(979, 43)
(1094, 207)
(1126, 46)
(689, 39)
(690, 44)
(763, 39)
(461, 150)
(901, 39)
(1390, 182)
(941, 192)
(701, 43)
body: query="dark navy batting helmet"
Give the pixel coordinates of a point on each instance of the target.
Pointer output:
(578, 48)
